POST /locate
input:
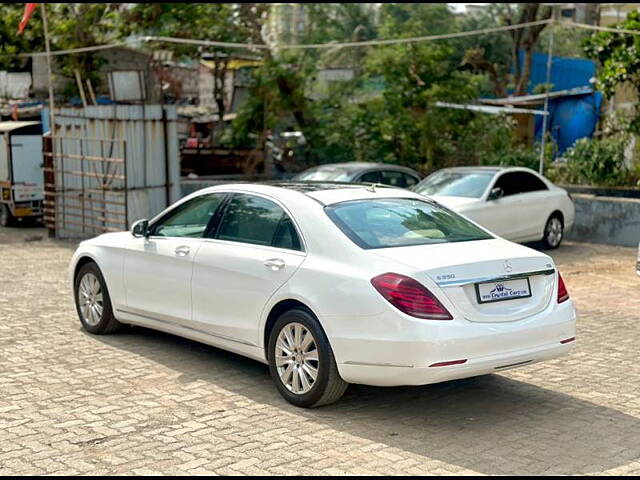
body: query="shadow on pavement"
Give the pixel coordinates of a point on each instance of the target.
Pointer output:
(491, 424)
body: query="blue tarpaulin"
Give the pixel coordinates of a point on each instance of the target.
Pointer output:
(574, 116)
(566, 73)
(571, 118)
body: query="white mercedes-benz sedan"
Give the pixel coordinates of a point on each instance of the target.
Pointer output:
(513, 202)
(329, 284)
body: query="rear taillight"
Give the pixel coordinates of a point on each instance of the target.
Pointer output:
(408, 296)
(563, 294)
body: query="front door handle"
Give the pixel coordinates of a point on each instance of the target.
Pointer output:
(182, 250)
(274, 264)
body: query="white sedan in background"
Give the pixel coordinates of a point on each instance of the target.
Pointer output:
(329, 284)
(515, 203)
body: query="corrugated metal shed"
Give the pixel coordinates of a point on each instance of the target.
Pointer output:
(141, 135)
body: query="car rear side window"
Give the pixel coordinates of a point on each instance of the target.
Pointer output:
(399, 222)
(513, 183)
(394, 179)
(258, 221)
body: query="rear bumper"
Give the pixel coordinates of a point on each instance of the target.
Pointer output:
(394, 349)
(32, 208)
(387, 376)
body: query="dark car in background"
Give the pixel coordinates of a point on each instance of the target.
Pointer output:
(365, 172)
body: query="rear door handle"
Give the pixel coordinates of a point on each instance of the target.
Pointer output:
(274, 264)
(182, 250)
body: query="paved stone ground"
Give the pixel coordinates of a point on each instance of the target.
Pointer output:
(143, 402)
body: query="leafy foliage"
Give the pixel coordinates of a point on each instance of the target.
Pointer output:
(398, 123)
(619, 59)
(76, 25)
(598, 161)
(388, 112)
(12, 44)
(489, 53)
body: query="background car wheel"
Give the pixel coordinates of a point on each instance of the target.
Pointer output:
(301, 361)
(6, 219)
(93, 303)
(553, 232)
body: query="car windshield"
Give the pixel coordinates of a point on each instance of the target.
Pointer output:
(399, 222)
(325, 174)
(455, 184)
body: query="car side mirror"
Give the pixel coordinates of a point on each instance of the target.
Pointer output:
(495, 194)
(140, 228)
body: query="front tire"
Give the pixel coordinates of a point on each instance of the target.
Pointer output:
(553, 232)
(301, 361)
(6, 219)
(93, 303)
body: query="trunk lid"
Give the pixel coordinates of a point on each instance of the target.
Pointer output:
(458, 267)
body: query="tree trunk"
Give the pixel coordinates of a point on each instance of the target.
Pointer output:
(523, 81)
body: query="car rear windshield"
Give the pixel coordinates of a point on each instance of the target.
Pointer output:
(401, 222)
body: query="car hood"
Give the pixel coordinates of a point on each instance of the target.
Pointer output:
(109, 239)
(454, 203)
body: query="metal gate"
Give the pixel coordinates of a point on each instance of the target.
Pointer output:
(85, 186)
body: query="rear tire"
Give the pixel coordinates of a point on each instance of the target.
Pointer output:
(93, 303)
(553, 232)
(301, 361)
(6, 218)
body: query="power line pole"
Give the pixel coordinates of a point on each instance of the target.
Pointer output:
(48, 52)
(545, 118)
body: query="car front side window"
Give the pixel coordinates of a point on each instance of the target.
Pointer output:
(509, 184)
(370, 177)
(258, 221)
(190, 219)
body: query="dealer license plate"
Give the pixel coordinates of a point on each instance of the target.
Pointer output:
(503, 290)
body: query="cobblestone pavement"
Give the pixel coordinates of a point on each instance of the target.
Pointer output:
(144, 402)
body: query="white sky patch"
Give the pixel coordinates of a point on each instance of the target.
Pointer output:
(462, 7)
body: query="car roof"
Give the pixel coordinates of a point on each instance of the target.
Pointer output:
(474, 169)
(357, 166)
(489, 169)
(326, 193)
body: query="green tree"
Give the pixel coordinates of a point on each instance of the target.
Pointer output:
(487, 53)
(77, 25)
(619, 59)
(12, 44)
(413, 130)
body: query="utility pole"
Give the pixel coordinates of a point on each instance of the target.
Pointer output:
(545, 118)
(52, 117)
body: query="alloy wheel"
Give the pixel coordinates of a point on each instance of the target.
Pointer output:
(296, 358)
(554, 232)
(90, 299)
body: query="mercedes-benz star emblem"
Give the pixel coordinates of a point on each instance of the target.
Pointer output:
(507, 266)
